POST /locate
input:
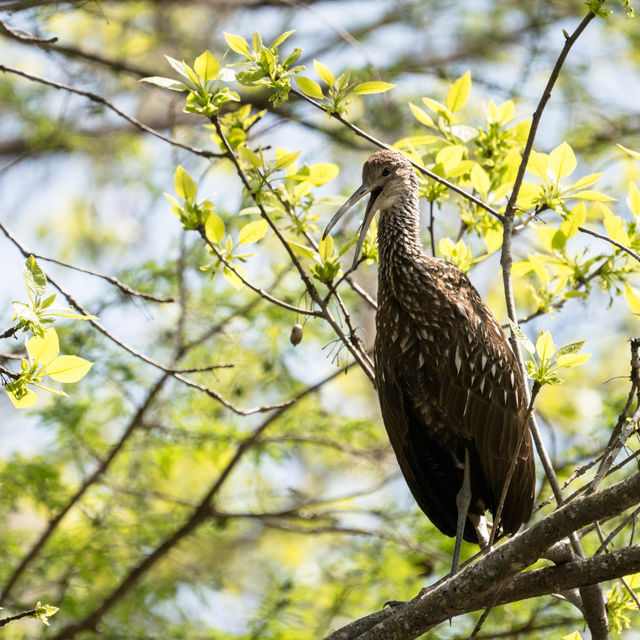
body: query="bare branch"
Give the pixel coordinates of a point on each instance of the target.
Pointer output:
(103, 101)
(261, 292)
(199, 515)
(615, 243)
(125, 288)
(471, 588)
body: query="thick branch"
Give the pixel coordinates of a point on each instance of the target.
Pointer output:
(473, 587)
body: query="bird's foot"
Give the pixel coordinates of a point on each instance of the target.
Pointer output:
(394, 603)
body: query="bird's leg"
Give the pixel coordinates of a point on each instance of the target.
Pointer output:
(482, 531)
(463, 500)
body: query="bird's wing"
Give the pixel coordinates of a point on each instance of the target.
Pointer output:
(483, 395)
(428, 468)
(478, 385)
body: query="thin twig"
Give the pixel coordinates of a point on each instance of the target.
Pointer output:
(9, 332)
(7, 372)
(261, 292)
(199, 515)
(103, 101)
(125, 288)
(311, 289)
(134, 352)
(24, 614)
(593, 601)
(615, 243)
(21, 36)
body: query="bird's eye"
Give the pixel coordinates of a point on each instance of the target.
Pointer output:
(386, 171)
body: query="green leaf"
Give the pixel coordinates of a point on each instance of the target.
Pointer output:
(634, 199)
(233, 278)
(324, 72)
(572, 347)
(67, 312)
(375, 86)
(504, 113)
(480, 179)
(325, 248)
(24, 312)
(438, 108)
(184, 185)
(593, 195)
(317, 174)
(586, 181)
(632, 297)
(521, 337)
(237, 44)
(493, 239)
(631, 152)
(538, 164)
(178, 66)
(253, 232)
(166, 83)
(24, 401)
(43, 349)
(576, 218)
(529, 195)
(68, 369)
(257, 41)
(284, 157)
(281, 38)
(206, 66)
(572, 359)
(544, 346)
(250, 156)
(422, 116)
(300, 249)
(616, 228)
(450, 156)
(309, 87)
(44, 611)
(459, 93)
(562, 161)
(214, 228)
(36, 280)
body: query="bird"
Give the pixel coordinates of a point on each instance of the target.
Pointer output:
(451, 393)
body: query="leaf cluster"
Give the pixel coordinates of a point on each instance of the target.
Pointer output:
(340, 90)
(200, 81)
(263, 67)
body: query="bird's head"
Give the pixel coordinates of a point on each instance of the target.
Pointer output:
(386, 175)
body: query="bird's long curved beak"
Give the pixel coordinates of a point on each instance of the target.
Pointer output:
(359, 193)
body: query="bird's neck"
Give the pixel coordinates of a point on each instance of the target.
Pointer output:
(398, 233)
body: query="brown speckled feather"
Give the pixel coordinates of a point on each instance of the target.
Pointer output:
(446, 377)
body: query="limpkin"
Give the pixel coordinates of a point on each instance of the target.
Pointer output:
(451, 393)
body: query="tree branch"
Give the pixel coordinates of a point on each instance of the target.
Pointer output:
(199, 515)
(103, 101)
(472, 587)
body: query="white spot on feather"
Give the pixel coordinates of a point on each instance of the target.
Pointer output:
(458, 360)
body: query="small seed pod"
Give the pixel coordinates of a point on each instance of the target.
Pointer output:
(296, 334)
